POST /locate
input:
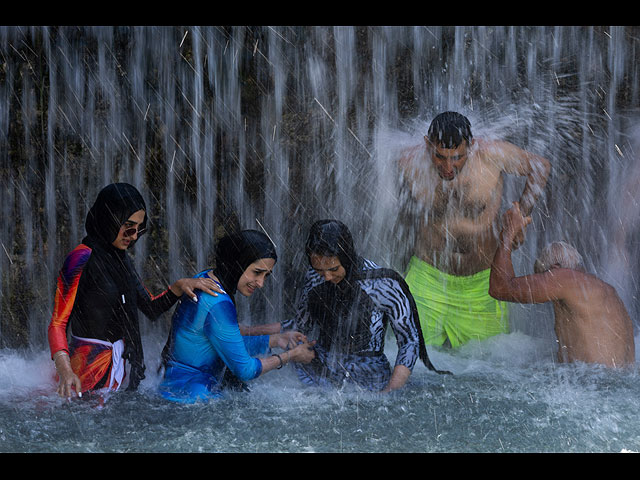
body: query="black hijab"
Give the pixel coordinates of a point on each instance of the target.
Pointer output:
(332, 238)
(236, 252)
(113, 206)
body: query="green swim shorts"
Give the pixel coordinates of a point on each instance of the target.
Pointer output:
(457, 308)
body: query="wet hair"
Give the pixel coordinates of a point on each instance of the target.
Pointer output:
(235, 252)
(332, 238)
(449, 130)
(558, 253)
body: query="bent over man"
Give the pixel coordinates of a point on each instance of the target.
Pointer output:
(591, 322)
(456, 183)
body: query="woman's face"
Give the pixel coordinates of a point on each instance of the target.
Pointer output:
(255, 275)
(129, 231)
(329, 268)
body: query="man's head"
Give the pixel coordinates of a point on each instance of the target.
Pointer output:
(558, 255)
(448, 141)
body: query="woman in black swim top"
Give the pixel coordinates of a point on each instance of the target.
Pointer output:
(346, 305)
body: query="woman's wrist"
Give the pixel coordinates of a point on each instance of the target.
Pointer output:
(288, 353)
(176, 288)
(281, 358)
(58, 354)
(62, 361)
(275, 340)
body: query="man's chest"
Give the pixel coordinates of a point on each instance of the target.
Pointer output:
(466, 198)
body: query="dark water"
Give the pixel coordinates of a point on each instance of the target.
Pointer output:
(507, 395)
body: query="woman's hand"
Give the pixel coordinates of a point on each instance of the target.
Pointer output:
(298, 348)
(287, 340)
(68, 379)
(188, 286)
(303, 353)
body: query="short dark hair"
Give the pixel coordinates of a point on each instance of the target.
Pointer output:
(449, 129)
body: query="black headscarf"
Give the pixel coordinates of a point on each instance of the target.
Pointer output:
(236, 252)
(343, 308)
(332, 238)
(113, 206)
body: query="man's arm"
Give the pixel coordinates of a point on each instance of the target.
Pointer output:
(536, 182)
(503, 283)
(520, 162)
(414, 173)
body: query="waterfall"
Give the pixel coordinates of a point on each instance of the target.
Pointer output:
(275, 127)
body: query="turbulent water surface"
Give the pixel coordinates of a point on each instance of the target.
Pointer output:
(507, 395)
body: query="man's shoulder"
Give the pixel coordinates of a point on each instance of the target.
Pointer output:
(487, 149)
(411, 158)
(574, 283)
(412, 151)
(494, 152)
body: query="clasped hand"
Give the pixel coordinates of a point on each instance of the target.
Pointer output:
(288, 340)
(297, 344)
(514, 224)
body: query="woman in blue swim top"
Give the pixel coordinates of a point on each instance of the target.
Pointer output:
(205, 338)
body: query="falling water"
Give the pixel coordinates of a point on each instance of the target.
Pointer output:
(273, 128)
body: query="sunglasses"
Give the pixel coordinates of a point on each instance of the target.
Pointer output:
(129, 232)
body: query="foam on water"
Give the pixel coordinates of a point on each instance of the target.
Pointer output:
(506, 395)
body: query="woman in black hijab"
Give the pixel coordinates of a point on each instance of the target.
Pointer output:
(346, 305)
(206, 341)
(98, 296)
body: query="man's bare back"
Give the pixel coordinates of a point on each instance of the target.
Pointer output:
(459, 214)
(591, 322)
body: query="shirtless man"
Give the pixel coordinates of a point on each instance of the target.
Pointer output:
(456, 182)
(591, 322)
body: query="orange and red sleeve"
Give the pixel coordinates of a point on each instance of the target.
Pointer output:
(66, 289)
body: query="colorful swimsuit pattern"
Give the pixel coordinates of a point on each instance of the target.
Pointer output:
(67, 287)
(92, 358)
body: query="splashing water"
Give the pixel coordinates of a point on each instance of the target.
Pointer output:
(507, 395)
(279, 126)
